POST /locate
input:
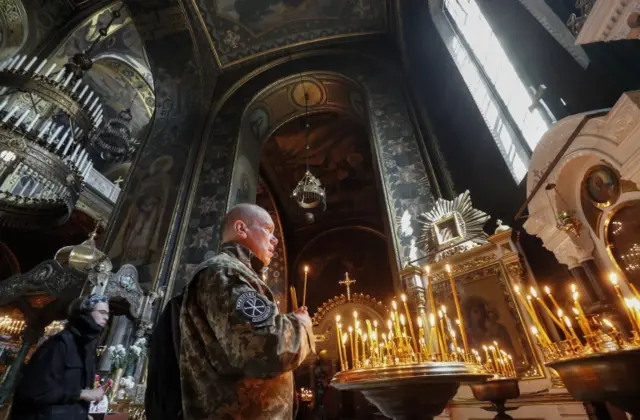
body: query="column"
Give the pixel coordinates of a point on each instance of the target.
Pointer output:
(30, 336)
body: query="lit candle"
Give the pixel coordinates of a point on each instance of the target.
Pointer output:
(304, 288)
(353, 355)
(555, 320)
(405, 337)
(364, 349)
(338, 337)
(513, 367)
(534, 318)
(567, 321)
(429, 287)
(634, 322)
(395, 318)
(486, 355)
(443, 332)
(408, 315)
(581, 314)
(608, 323)
(433, 341)
(458, 310)
(344, 349)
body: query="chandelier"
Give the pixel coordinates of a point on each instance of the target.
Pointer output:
(46, 120)
(114, 140)
(309, 193)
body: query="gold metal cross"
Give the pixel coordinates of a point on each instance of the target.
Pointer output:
(347, 282)
(119, 181)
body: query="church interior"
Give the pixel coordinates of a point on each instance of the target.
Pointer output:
(409, 153)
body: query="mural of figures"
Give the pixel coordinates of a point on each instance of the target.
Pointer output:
(140, 240)
(246, 182)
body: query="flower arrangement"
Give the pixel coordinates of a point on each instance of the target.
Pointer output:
(118, 356)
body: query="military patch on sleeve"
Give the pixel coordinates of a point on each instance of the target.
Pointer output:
(254, 307)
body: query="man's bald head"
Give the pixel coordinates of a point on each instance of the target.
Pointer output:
(252, 227)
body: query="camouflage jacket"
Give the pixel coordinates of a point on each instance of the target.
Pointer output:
(237, 352)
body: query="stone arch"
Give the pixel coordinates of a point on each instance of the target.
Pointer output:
(397, 154)
(325, 319)
(272, 111)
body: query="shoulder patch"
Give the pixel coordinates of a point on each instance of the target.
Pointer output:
(254, 307)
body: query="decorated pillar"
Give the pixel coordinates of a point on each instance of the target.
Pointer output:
(146, 218)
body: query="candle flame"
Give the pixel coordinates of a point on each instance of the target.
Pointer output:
(375, 323)
(355, 314)
(344, 338)
(534, 330)
(567, 321)
(613, 278)
(447, 267)
(427, 269)
(440, 314)
(516, 289)
(457, 321)
(419, 322)
(560, 313)
(402, 320)
(350, 330)
(384, 336)
(573, 287)
(547, 290)
(575, 311)
(337, 318)
(432, 319)
(444, 309)
(364, 336)
(533, 292)
(575, 296)
(389, 324)
(394, 304)
(306, 268)
(495, 343)
(403, 297)
(607, 322)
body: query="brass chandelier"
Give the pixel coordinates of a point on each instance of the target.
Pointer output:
(309, 193)
(47, 119)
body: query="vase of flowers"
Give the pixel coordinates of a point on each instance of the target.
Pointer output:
(118, 358)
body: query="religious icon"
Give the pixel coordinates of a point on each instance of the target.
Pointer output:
(602, 185)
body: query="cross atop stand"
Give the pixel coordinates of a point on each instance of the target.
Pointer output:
(119, 181)
(347, 282)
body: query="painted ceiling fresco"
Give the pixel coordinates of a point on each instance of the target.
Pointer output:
(242, 29)
(339, 155)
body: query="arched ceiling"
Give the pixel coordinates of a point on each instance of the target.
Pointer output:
(339, 156)
(241, 30)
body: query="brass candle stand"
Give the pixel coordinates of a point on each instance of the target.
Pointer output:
(603, 365)
(410, 391)
(497, 391)
(406, 372)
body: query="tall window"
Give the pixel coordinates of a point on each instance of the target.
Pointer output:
(502, 97)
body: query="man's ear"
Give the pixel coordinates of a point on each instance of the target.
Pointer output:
(240, 228)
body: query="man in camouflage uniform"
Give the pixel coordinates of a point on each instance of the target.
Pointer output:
(237, 352)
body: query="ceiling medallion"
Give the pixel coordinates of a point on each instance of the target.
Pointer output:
(46, 120)
(309, 193)
(452, 227)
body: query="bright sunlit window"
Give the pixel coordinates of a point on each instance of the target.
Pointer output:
(501, 95)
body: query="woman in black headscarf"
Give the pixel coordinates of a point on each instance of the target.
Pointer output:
(57, 382)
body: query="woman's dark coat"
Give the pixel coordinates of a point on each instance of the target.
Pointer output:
(58, 371)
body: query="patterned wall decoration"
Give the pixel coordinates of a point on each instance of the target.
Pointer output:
(155, 191)
(277, 276)
(239, 30)
(404, 177)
